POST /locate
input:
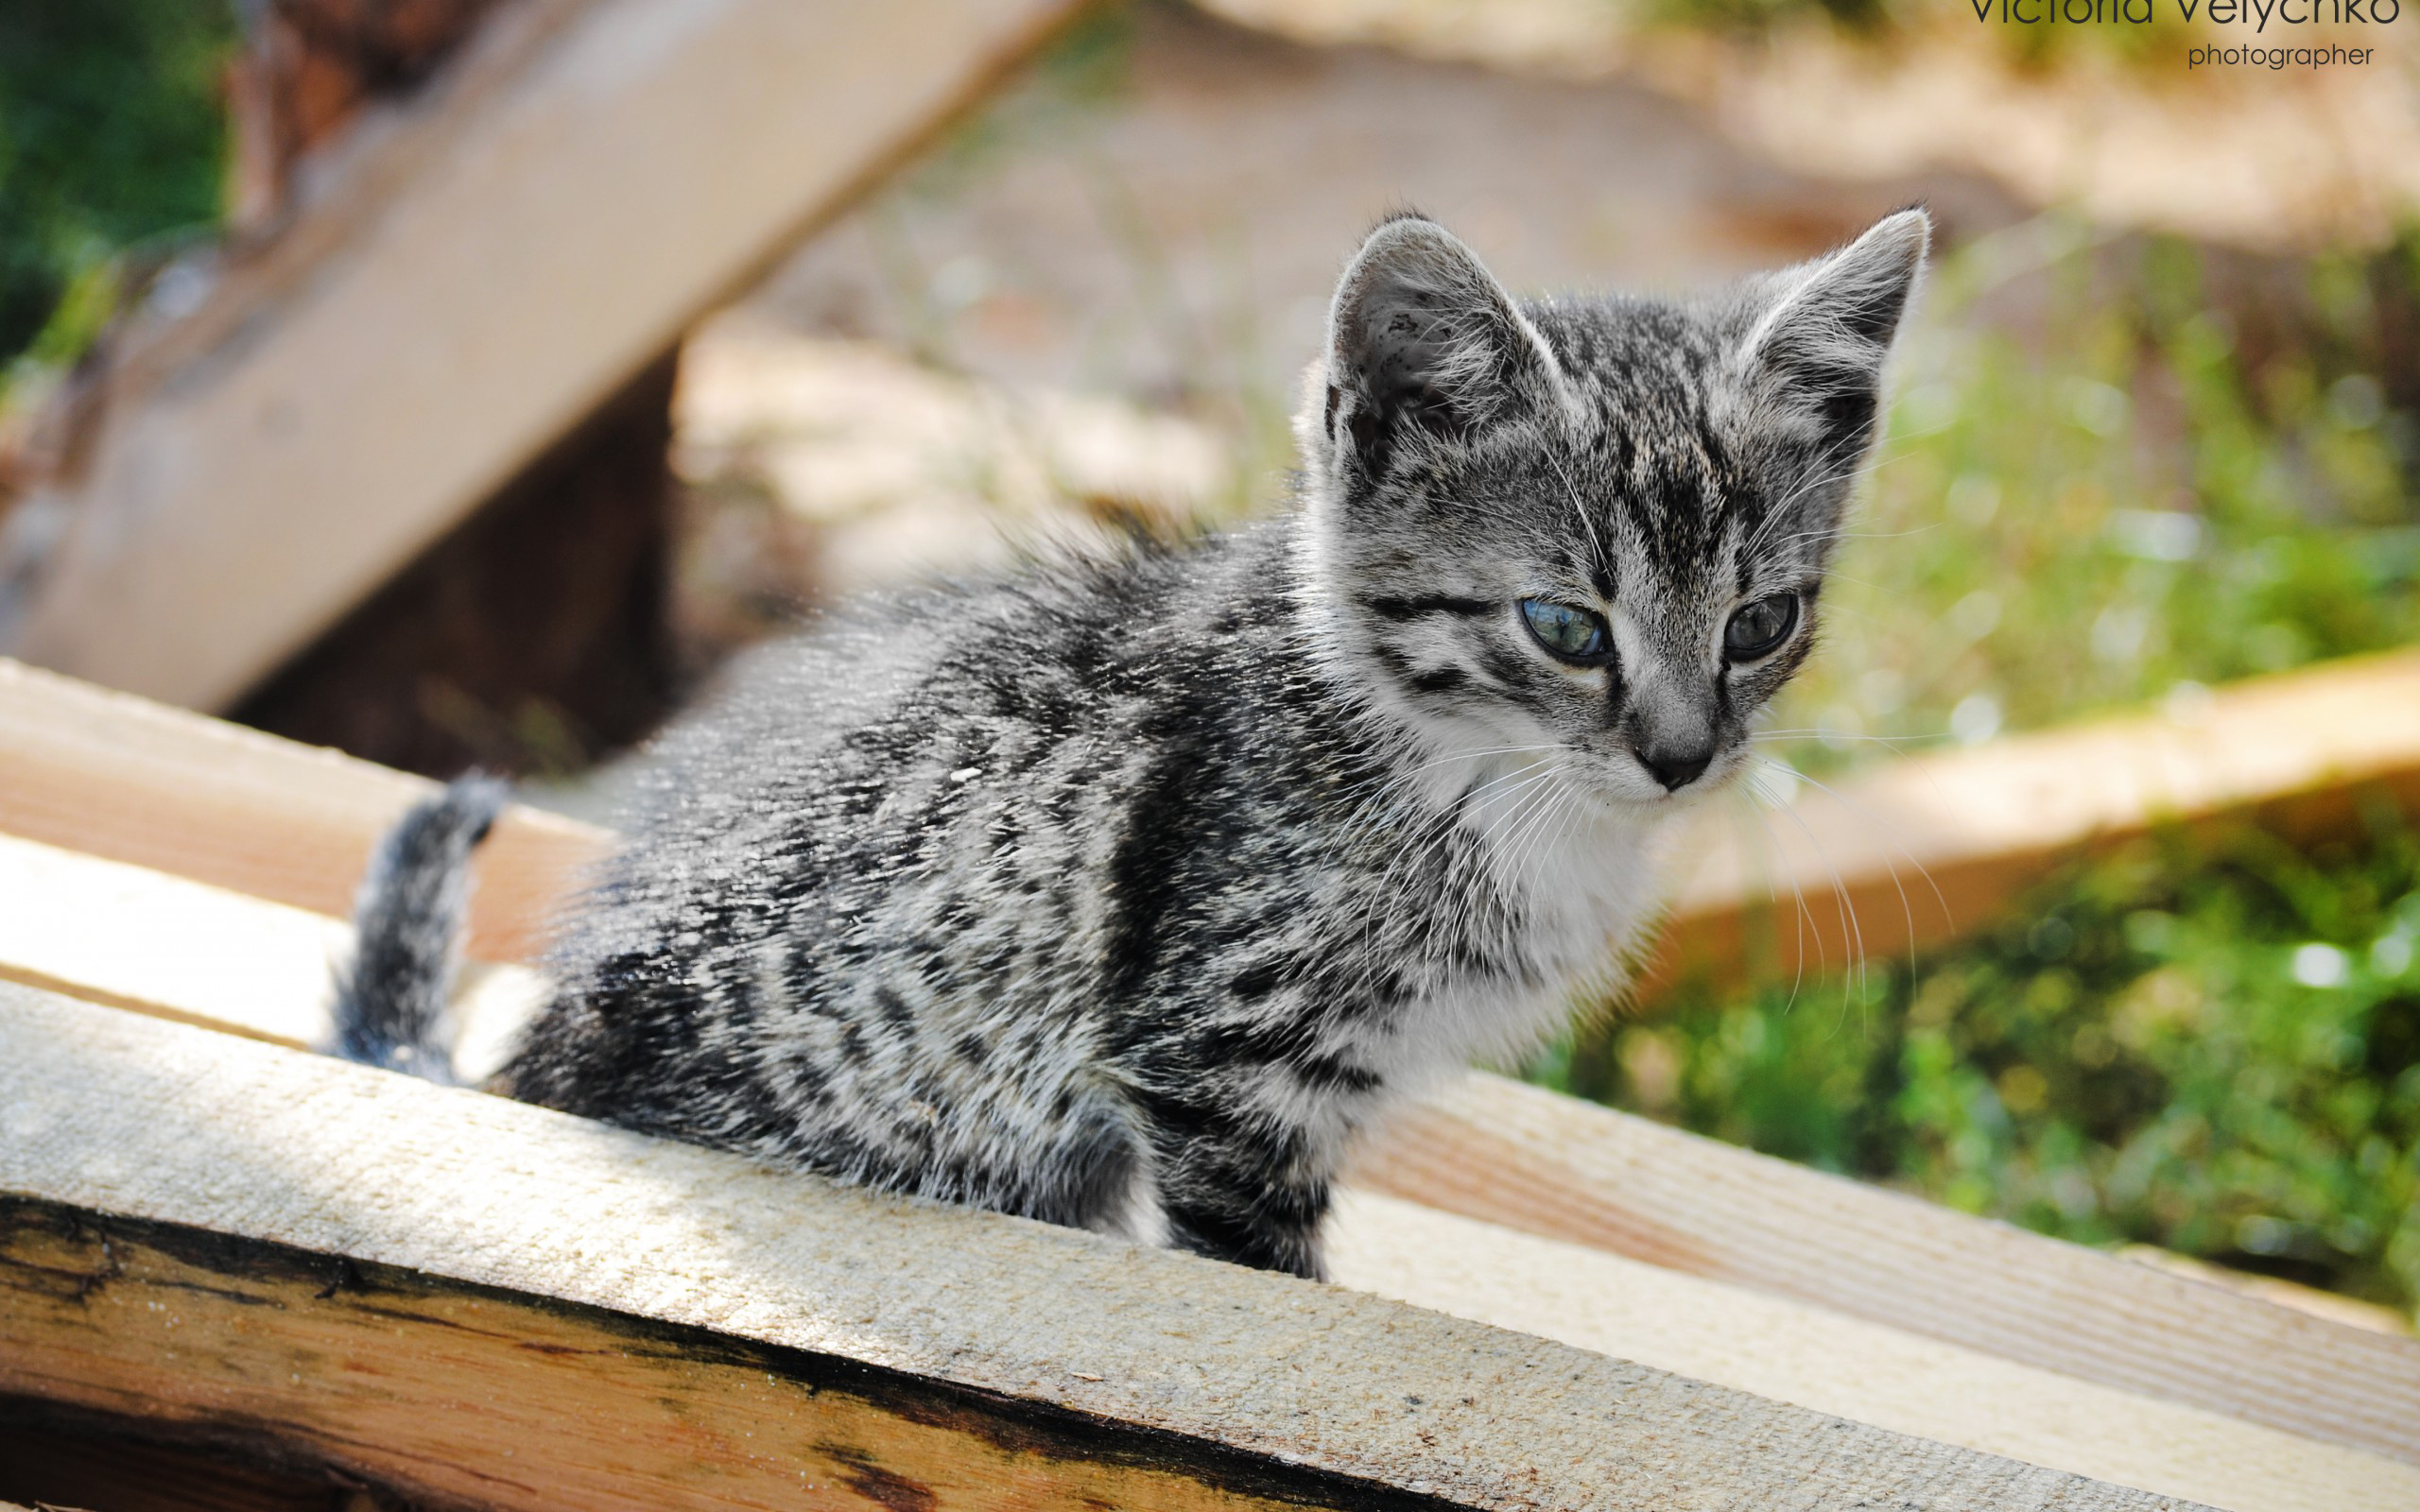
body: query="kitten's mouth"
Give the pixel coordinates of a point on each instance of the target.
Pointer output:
(1631, 787)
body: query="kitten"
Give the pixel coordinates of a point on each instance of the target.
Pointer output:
(1122, 894)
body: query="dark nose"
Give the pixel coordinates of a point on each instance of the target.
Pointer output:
(1677, 767)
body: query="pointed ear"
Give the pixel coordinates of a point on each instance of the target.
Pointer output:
(1423, 344)
(1813, 356)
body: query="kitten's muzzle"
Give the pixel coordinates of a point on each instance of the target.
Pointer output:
(1672, 730)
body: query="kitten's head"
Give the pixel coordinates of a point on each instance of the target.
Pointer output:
(1593, 527)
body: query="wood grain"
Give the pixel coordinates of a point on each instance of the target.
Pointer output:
(180, 1195)
(261, 970)
(1554, 1166)
(160, 788)
(1786, 1349)
(122, 777)
(431, 1390)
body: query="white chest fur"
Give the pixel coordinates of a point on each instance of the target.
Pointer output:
(1582, 880)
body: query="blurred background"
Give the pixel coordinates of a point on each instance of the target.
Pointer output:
(2157, 429)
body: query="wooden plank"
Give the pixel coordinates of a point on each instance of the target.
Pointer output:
(131, 781)
(127, 780)
(1928, 846)
(243, 502)
(260, 969)
(1924, 848)
(209, 956)
(1795, 1351)
(1557, 1167)
(123, 779)
(178, 1199)
(425, 1388)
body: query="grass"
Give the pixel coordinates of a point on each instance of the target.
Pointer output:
(111, 143)
(2212, 1046)
(2161, 37)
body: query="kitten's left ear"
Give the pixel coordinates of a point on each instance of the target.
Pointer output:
(1815, 353)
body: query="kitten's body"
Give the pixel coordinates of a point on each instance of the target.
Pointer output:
(1106, 917)
(1122, 895)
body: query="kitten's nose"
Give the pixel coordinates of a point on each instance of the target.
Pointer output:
(1677, 767)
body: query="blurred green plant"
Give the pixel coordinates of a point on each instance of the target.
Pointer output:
(112, 137)
(2041, 45)
(2211, 1045)
(2119, 497)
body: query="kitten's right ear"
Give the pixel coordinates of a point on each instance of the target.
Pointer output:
(1422, 342)
(1814, 354)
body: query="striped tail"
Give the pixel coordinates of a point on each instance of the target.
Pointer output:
(391, 997)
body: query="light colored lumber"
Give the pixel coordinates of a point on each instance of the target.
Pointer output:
(559, 231)
(122, 777)
(135, 939)
(1924, 847)
(260, 970)
(224, 960)
(131, 1147)
(126, 779)
(1795, 1351)
(1557, 1167)
(120, 934)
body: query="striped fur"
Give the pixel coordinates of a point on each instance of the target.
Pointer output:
(1123, 894)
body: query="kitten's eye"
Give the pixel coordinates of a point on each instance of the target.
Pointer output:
(1573, 634)
(1757, 629)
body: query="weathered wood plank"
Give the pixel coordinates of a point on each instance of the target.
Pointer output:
(1554, 1166)
(122, 777)
(222, 1176)
(209, 956)
(243, 502)
(167, 789)
(425, 1387)
(61, 918)
(118, 776)
(1792, 1351)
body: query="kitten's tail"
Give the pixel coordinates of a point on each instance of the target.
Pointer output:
(391, 996)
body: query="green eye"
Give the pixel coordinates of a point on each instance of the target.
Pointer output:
(1759, 627)
(1573, 634)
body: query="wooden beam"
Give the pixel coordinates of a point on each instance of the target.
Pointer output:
(1705, 1259)
(1545, 1165)
(554, 231)
(1926, 848)
(1796, 1352)
(473, 1298)
(124, 779)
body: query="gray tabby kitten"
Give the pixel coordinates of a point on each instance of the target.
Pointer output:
(1122, 895)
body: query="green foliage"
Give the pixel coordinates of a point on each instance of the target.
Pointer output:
(2041, 45)
(2122, 496)
(2211, 1045)
(111, 135)
(1755, 17)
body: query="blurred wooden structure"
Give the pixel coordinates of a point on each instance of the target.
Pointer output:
(1913, 851)
(1904, 856)
(454, 285)
(215, 1243)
